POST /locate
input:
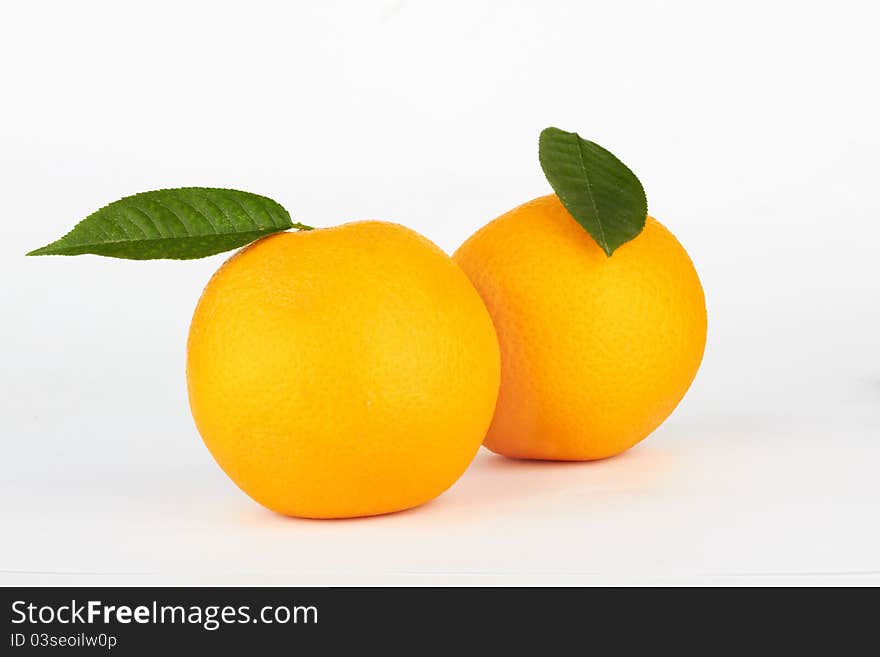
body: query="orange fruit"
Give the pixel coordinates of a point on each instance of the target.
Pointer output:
(348, 371)
(596, 351)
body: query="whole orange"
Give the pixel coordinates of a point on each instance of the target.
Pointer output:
(596, 351)
(342, 372)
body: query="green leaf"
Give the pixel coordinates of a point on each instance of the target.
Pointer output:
(183, 223)
(599, 191)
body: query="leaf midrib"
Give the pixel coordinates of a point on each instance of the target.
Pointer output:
(604, 241)
(185, 238)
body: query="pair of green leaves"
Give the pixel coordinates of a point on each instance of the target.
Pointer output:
(599, 191)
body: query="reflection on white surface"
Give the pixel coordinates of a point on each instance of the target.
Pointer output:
(684, 506)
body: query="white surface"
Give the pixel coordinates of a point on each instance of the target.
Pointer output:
(754, 130)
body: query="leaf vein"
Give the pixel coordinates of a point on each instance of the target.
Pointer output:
(246, 213)
(174, 214)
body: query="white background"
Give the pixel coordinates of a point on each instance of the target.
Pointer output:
(753, 128)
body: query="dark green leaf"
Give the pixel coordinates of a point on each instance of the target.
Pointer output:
(599, 191)
(183, 223)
